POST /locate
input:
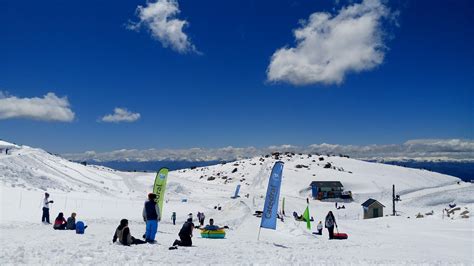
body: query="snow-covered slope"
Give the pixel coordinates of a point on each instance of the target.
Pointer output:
(102, 196)
(35, 169)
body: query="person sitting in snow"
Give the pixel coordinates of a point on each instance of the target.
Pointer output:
(320, 228)
(185, 234)
(212, 227)
(71, 222)
(122, 234)
(60, 223)
(330, 223)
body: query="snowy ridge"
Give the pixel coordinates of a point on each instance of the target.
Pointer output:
(32, 168)
(102, 197)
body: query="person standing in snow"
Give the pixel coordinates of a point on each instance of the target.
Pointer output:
(330, 223)
(173, 218)
(60, 223)
(185, 234)
(190, 216)
(46, 202)
(122, 233)
(151, 215)
(203, 217)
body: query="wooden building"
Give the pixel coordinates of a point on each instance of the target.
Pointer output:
(372, 209)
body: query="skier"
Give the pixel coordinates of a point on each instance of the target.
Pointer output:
(190, 216)
(122, 233)
(60, 223)
(173, 218)
(185, 234)
(320, 228)
(71, 222)
(46, 202)
(212, 227)
(151, 215)
(330, 223)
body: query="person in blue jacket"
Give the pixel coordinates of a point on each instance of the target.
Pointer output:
(212, 227)
(151, 215)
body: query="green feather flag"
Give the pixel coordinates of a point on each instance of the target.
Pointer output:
(160, 187)
(307, 218)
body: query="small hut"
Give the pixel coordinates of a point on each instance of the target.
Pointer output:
(372, 209)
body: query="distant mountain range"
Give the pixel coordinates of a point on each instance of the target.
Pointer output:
(463, 170)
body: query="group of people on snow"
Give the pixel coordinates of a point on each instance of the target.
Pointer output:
(152, 216)
(60, 223)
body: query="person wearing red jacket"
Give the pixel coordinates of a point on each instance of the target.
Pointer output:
(60, 223)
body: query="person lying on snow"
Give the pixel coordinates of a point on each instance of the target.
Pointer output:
(297, 217)
(212, 227)
(60, 223)
(122, 233)
(185, 234)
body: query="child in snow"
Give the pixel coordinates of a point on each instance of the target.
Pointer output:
(320, 228)
(122, 233)
(80, 227)
(71, 222)
(46, 202)
(185, 234)
(173, 218)
(60, 223)
(151, 215)
(330, 223)
(213, 227)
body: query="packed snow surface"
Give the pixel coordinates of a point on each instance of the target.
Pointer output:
(102, 196)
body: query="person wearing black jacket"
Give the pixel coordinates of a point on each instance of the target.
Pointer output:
(330, 223)
(122, 233)
(185, 234)
(151, 216)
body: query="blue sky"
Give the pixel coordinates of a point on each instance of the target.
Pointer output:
(222, 95)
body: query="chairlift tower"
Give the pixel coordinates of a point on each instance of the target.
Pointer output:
(394, 199)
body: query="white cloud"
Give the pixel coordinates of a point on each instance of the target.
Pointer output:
(330, 46)
(160, 18)
(48, 108)
(121, 115)
(423, 150)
